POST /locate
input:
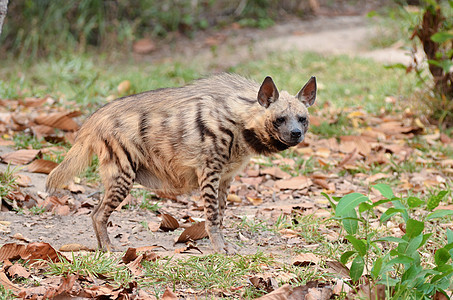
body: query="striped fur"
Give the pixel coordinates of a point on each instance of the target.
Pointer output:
(177, 140)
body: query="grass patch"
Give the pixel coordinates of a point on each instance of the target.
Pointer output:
(210, 273)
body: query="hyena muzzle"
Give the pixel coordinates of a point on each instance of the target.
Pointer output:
(179, 139)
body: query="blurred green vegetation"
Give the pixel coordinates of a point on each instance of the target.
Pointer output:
(45, 27)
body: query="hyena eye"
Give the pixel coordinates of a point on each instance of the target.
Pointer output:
(280, 120)
(302, 119)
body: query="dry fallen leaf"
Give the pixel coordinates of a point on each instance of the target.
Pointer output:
(234, 198)
(20, 157)
(255, 201)
(195, 232)
(41, 166)
(6, 283)
(276, 172)
(60, 120)
(74, 248)
(144, 46)
(130, 255)
(23, 180)
(169, 295)
(187, 248)
(294, 183)
(124, 86)
(168, 223)
(306, 259)
(153, 226)
(17, 270)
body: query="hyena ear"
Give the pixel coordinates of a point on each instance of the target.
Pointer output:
(307, 95)
(268, 92)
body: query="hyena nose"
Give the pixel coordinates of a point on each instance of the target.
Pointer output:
(296, 133)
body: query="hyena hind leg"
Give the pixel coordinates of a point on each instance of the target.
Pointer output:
(117, 187)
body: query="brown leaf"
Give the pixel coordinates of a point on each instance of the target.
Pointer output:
(153, 226)
(187, 248)
(130, 255)
(74, 248)
(267, 284)
(20, 157)
(20, 237)
(42, 131)
(75, 188)
(135, 266)
(439, 296)
(348, 158)
(33, 102)
(306, 259)
(169, 295)
(144, 46)
(6, 283)
(60, 120)
(168, 223)
(255, 201)
(23, 180)
(363, 146)
(276, 172)
(18, 270)
(322, 183)
(12, 251)
(41, 166)
(337, 267)
(295, 183)
(282, 293)
(38, 250)
(234, 198)
(124, 86)
(195, 232)
(377, 176)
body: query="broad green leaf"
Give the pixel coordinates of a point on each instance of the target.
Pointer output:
(349, 202)
(414, 228)
(350, 222)
(411, 273)
(391, 239)
(345, 256)
(434, 200)
(442, 36)
(440, 213)
(411, 247)
(359, 245)
(377, 203)
(385, 190)
(377, 266)
(391, 212)
(364, 207)
(356, 268)
(426, 236)
(401, 259)
(441, 256)
(449, 236)
(399, 205)
(414, 202)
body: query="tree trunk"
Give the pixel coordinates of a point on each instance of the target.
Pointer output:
(3, 9)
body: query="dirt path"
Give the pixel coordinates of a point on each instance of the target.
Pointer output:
(339, 35)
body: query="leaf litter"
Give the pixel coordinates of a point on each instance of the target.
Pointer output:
(383, 148)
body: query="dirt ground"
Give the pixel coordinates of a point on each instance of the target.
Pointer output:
(336, 35)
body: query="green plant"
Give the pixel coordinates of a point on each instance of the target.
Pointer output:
(37, 210)
(7, 182)
(6, 294)
(406, 274)
(98, 264)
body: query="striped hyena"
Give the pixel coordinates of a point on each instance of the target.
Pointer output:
(179, 139)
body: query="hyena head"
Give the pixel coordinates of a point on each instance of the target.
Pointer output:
(286, 116)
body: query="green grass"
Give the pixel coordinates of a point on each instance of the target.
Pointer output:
(94, 265)
(86, 81)
(7, 181)
(209, 273)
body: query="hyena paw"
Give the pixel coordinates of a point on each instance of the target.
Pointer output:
(220, 246)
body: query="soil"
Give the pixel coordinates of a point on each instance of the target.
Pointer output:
(327, 35)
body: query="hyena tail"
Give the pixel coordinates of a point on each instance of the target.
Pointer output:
(77, 158)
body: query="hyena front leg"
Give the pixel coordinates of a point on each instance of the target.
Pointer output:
(214, 203)
(117, 180)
